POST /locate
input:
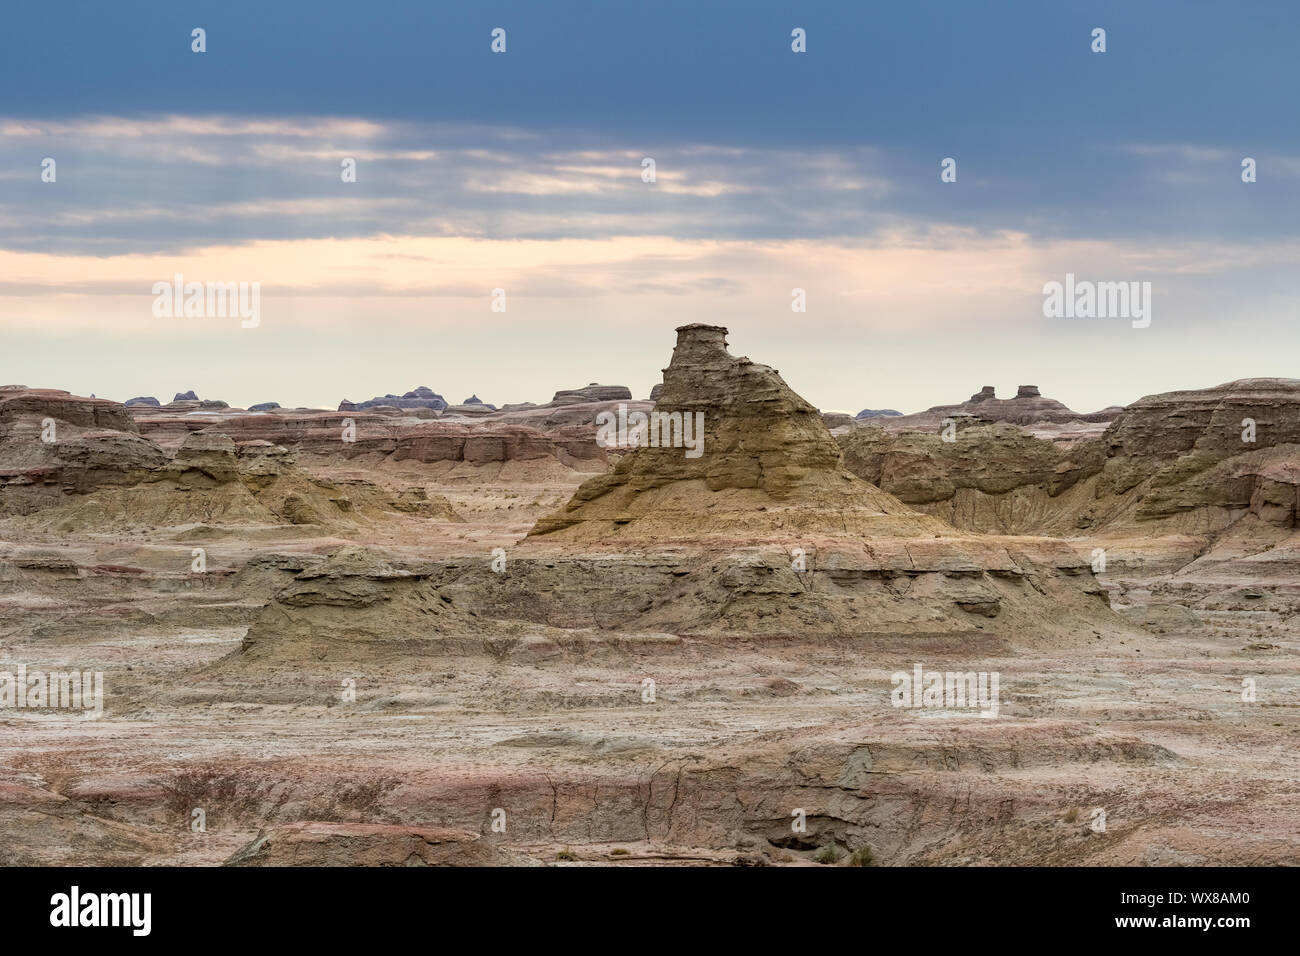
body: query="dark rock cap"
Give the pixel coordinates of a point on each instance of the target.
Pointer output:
(697, 333)
(420, 397)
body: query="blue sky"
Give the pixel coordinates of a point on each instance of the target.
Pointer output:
(816, 169)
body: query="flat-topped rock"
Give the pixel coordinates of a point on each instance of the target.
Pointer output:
(1028, 407)
(592, 393)
(19, 403)
(420, 397)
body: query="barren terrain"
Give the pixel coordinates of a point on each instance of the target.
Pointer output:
(355, 676)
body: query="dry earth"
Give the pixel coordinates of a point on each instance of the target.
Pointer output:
(503, 717)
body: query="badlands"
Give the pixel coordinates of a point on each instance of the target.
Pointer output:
(410, 632)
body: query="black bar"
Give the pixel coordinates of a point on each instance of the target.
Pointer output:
(839, 906)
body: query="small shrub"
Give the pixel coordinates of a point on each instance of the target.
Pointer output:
(565, 855)
(862, 856)
(827, 854)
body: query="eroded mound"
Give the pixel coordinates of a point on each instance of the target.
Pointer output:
(763, 533)
(731, 452)
(78, 464)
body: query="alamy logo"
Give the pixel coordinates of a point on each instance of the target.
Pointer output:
(1098, 300)
(946, 690)
(656, 430)
(103, 909)
(57, 690)
(208, 300)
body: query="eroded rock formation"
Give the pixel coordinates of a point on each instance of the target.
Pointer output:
(1029, 407)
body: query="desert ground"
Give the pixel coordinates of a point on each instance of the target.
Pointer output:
(401, 634)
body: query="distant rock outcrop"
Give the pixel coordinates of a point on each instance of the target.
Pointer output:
(385, 432)
(19, 403)
(143, 400)
(264, 407)
(421, 397)
(939, 476)
(493, 442)
(837, 419)
(1179, 463)
(1027, 408)
(469, 409)
(186, 396)
(592, 393)
(185, 405)
(876, 413)
(54, 444)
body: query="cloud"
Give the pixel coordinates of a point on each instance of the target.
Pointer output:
(129, 184)
(935, 280)
(139, 184)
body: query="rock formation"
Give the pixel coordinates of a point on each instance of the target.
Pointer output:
(705, 541)
(53, 443)
(979, 482)
(79, 463)
(19, 403)
(765, 589)
(1027, 408)
(765, 460)
(475, 409)
(593, 393)
(838, 419)
(420, 397)
(395, 434)
(323, 843)
(1191, 461)
(355, 604)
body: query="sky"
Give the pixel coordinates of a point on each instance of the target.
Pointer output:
(523, 171)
